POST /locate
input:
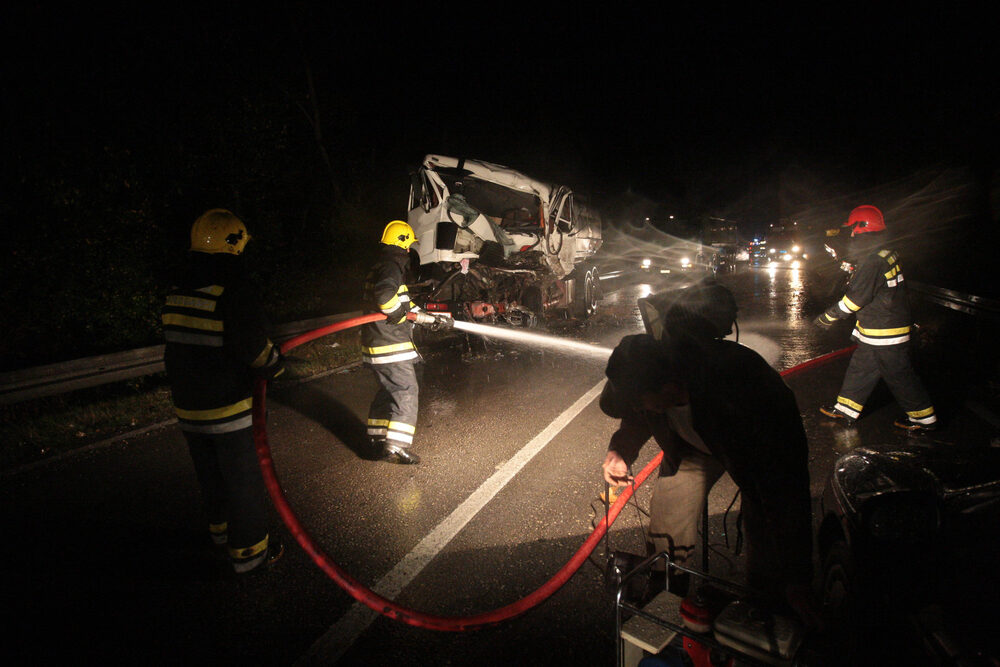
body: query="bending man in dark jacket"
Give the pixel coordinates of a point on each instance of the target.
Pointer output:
(716, 406)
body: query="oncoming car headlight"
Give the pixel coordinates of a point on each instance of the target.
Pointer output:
(646, 263)
(902, 517)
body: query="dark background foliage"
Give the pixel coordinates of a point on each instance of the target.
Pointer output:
(122, 123)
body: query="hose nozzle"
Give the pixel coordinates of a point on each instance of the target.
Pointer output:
(435, 322)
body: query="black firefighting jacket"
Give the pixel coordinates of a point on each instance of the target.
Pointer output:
(747, 417)
(390, 340)
(876, 295)
(215, 345)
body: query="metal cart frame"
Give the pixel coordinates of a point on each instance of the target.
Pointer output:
(706, 639)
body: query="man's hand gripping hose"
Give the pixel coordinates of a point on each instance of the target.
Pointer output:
(371, 599)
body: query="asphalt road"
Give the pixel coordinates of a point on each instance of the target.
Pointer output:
(106, 558)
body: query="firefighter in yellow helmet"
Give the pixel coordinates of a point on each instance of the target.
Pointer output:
(215, 345)
(387, 347)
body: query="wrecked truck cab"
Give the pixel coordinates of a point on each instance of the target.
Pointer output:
(496, 244)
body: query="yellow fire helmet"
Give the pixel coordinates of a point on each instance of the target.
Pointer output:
(400, 234)
(219, 231)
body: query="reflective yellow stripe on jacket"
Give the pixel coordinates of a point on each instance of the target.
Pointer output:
(881, 336)
(226, 419)
(387, 354)
(192, 319)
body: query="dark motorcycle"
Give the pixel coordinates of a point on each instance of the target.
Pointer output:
(910, 545)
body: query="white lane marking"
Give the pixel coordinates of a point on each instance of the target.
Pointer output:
(342, 634)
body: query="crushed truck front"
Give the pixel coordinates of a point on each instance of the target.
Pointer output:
(495, 243)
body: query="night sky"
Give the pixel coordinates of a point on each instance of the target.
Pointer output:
(122, 122)
(709, 106)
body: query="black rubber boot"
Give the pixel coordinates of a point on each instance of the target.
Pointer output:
(833, 413)
(401, 455)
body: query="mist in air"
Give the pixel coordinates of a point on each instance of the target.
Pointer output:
(535, 340)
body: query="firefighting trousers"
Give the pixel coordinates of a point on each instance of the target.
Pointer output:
(232, 490)
(892, 364)
(392, 416)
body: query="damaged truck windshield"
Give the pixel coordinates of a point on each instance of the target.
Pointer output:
(496, 245)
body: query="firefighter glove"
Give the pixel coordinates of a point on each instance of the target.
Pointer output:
(823, 322)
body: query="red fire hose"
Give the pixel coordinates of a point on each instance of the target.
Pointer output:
(387, 607)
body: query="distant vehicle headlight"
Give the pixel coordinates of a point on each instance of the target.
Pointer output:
(805, 256)
(685, 261)
(646, 263)
(795, 248)
(786, 257)
(771, 250)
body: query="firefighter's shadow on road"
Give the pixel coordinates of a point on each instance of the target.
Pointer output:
(330, 414)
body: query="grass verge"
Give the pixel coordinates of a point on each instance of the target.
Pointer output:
(47, 427)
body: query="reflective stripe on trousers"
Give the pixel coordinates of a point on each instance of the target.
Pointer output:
(393, 412)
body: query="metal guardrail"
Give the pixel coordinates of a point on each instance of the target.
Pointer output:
(53, 379)
(22, 385)
(964, 303)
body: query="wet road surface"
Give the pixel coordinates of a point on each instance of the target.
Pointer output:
(107, 559)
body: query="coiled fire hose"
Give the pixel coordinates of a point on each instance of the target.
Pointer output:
(388, 608)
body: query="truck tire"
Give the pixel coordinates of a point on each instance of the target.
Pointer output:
(588, 293)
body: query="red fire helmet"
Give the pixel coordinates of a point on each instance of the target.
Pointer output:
(865, 219)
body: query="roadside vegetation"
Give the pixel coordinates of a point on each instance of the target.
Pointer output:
(53, 426)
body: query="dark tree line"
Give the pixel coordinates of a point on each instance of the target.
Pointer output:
(113, 149)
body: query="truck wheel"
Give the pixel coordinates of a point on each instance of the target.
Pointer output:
(588, 294)
(591, 291)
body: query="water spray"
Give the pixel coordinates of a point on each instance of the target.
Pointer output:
(534, 339)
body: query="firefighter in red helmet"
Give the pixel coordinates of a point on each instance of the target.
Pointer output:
(876, 297)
